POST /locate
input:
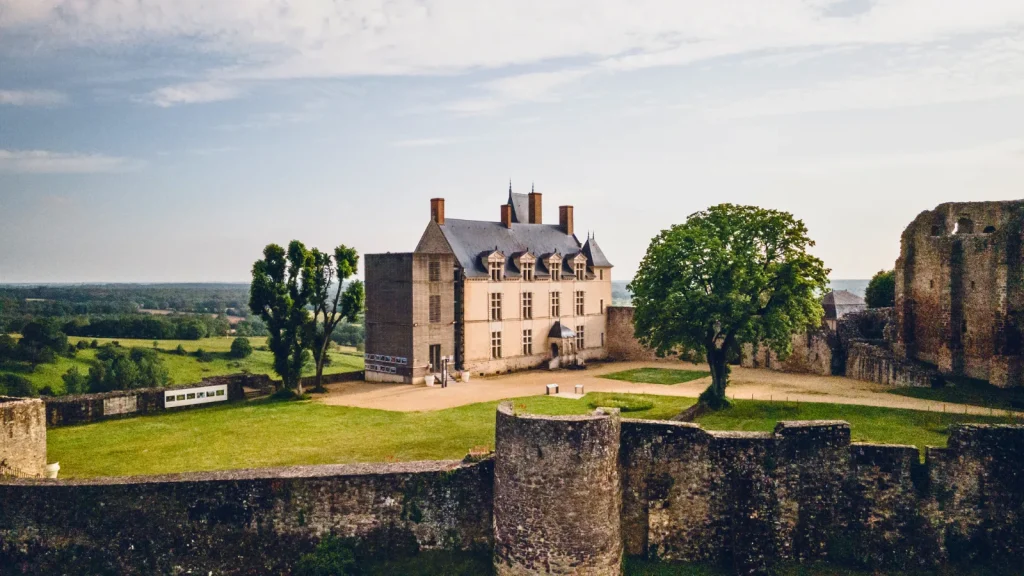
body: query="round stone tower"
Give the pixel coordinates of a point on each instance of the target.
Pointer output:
(557, 494)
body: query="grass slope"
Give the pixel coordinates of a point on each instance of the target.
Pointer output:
(269, 433)
(187, 369)
(970, 392)
(657, 376)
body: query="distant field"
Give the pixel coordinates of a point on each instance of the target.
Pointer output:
(187, 369)
(262, 433)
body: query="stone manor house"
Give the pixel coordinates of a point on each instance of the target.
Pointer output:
(487, 296)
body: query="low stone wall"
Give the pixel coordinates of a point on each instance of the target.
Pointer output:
(621, 341)
(240, 522)
(811, 354)
(22, 437)
(874, 363)
(85, 408)
(310, 381)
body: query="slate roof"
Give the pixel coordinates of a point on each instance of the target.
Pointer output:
(839, 303)
(595, 257)
(560, 330)
(520, 207)
(471, 239)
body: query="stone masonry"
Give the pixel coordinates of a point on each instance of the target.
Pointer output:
(22, 437)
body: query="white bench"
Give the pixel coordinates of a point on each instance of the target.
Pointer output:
(552, 389)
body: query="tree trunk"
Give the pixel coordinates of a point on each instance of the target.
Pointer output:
(320, 374)
(714, 396)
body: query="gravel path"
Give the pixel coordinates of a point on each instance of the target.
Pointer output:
(744, 384)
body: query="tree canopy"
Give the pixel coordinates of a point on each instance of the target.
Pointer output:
(881, 291)
(729, 275)
(332, 302)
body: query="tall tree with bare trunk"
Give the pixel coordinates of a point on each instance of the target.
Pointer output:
(332, 301)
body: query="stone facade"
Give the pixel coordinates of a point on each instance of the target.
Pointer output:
(960, 291)
(622, 342)
(811, 354)
(22, 437)
(557, 497)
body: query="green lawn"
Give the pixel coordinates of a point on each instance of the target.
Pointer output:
(970, 392)
(657, 375)
(283, 433)
(187, 369)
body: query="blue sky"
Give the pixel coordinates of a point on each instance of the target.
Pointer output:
(160, 140)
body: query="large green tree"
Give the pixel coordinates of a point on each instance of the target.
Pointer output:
(332, 301)
(729, 275)
(279, 296)
(881, 291)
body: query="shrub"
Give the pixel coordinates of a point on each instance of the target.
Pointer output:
(333, 556)
(203, 355)
(82, 344)
(180, 350)
(74, 381)
(94, 344)
(623, 403)
(14, 385)
(241, 348)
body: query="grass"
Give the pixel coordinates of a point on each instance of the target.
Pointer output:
(283, 433)
(184, 369)
(971, 392)
(657, 376)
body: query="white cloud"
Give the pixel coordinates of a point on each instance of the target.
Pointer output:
(46, 98)
(192, 93)
(423, 142)
(535, 87)
(49, 162)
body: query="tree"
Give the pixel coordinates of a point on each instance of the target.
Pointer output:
(729, 275)
(279, 296)
(241, 348)
(74, 381)
(15, 385)
(41, 341)
(881, 292)
(331, 300)
(125, 369)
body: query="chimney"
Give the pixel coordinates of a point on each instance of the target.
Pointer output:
(565, 219)
(535, 208)
(506, 215)
(437, 210)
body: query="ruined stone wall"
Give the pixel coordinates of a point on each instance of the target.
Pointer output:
(239, 522)
(557, 495)
(85, 408)
(812, 354)
(959, 291)
(22, 437)
(874, 363)
(622, 343)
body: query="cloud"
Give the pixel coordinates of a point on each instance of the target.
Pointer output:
(192, 93)
(45, 98)
(423, 142)
(534, 87)
(49, 162)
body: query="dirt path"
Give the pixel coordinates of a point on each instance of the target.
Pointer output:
(744, 384)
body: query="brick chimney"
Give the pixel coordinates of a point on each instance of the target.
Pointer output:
(565, 219)
(506, 215)
(437, 210)
(536, 214)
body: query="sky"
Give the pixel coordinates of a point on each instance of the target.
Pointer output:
(170, 140)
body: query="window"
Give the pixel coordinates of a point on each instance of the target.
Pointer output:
(435, 309)
(579, 302)
(495, 344)
(602, 306)
(496, 272)
(527, 305)
(435, 271)
(602, 339)
(581, 271)
(496, 306)
(579, 338)
(556, 304)
(600, 274)
(527, 271)
(556, 271)
(527, 342)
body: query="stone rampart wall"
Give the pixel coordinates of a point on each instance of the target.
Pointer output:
(22, 437)
(811, 354)
(239, 522)
(875, 363)
(621, 341)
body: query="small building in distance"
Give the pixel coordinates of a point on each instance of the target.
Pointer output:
(487, 296)
(839, 303)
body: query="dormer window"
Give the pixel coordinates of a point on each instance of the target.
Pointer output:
(496, 271)
(581, 271)
(526, 263)
(555, 266)
(527, 272)
(496, 266)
